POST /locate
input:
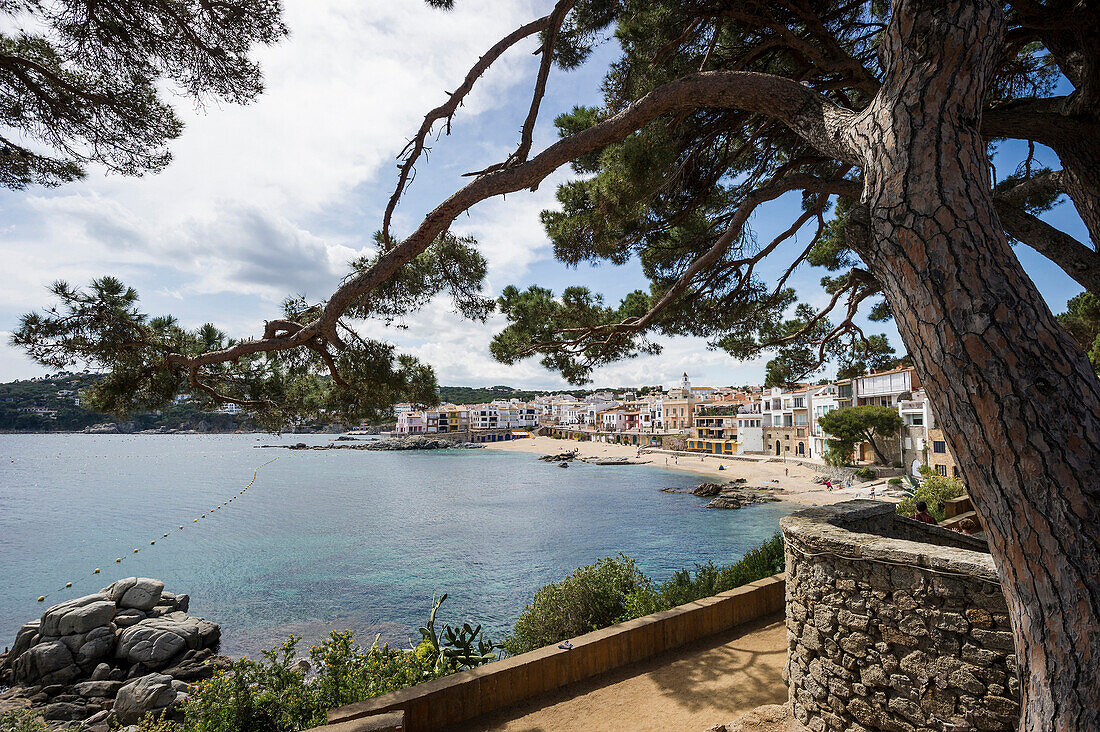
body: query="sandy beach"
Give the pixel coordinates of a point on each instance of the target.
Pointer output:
(794, 482)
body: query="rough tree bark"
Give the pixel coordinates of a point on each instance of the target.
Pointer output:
(1081, 165)
(1014, 393)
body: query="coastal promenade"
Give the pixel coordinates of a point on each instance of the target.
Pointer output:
(697, 686)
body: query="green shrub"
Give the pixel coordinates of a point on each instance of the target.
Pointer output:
(21, 720)
(933, 490)
(836, 456)
(865, 474)
(894, 481)
(594, 596)
(255, 695)
(614, 590)
(708, 579)
(273, 695)
(152, 723)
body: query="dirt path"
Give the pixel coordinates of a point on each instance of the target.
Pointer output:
(692, 688)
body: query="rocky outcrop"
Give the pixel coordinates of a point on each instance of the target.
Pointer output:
(111, 656)
(154, 642)
(103, 428)
(707, 490)
(732, 498)
(152, 693)
(136, 593)
(407, 443)
(416, 442)
(560, 457)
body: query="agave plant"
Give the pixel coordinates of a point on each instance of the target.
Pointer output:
(461, 647)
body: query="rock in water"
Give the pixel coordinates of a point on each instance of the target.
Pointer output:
(78, 616)
(71, 663)
(152, 693)
(725, 502)
(560, 457)
(138, 593)
(155, 641)
(129, 616)
(97, 644)
(46, 663)
(706, 490)
(144, 595)
(733, 498)
(24, 639)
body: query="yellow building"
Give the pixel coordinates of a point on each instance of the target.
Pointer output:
(714, 431)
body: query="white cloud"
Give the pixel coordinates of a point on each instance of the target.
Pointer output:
(509, 233)
(13, 364)
(343, 92)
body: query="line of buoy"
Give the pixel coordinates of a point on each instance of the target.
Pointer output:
(118, 560)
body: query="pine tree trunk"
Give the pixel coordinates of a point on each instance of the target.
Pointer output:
(1015, 395)
(1081, 173)
(882, 459)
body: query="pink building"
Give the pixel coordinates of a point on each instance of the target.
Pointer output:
(411, 423)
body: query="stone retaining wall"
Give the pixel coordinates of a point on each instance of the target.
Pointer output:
(894, 625)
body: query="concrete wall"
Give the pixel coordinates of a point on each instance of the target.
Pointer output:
(750, 440)
(452, 699)
(894, 625)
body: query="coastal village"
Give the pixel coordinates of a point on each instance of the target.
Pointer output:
(718, 421)
(253, 242)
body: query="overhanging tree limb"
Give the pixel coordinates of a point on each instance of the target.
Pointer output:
(446, 111)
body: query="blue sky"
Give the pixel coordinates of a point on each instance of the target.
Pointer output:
(274, 198)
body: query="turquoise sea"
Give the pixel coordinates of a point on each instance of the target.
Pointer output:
(333, 539)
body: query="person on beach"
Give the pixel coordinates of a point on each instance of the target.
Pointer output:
(872, 493)
(923, 515)
(786, 471)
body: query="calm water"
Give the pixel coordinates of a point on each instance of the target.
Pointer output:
(334, 539)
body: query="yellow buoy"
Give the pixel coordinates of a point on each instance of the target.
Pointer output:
(118, 559)
(96, 571)
(68, 584)
(196, 521)
(150, 544)
(41, 598)
(135, 551)
(167, 534)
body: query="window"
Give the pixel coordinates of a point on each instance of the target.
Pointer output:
(939, 446)
(800, 402)
(955, 471)
(941, 470)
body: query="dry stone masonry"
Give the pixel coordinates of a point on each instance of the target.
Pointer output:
(112, 656)
(894, 625)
